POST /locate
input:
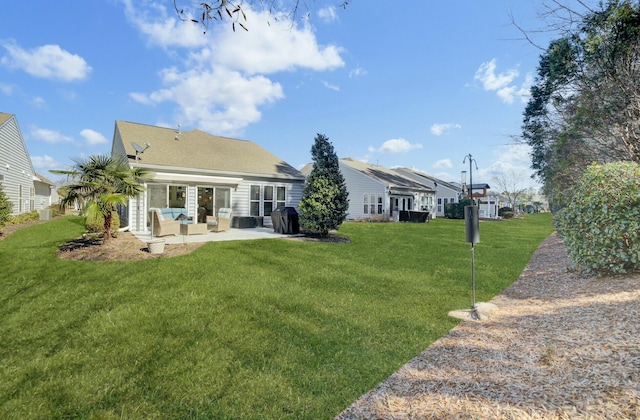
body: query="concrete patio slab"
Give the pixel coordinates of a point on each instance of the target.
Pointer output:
(228, 235)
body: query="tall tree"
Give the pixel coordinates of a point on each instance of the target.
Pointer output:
(512, 185)
(325, 199)
(100, 183)
(585, 104)
(234, 11)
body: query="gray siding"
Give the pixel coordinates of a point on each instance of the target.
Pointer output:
(359, 184)
(16, 168)
(241, 197)
(43, 195)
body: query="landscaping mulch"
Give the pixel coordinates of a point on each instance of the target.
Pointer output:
(560, 346)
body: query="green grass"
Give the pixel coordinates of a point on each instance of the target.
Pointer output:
(244, 329)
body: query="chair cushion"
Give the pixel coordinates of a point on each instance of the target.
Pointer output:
(224, 212)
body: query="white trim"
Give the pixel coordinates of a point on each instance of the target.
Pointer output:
(219, 180)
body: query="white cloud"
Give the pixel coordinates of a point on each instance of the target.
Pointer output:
(6, 89)
(218, 101)
(224, 81)
(443, 164)
(396, 146)
(440, 129)
(357, 72)
(269, 48)
(164, 28)
(39, 102)
(513, 160)
(46, 62)
(44, 163)
(50, 136)
(93, 137)
(328, 14)
(503, 83)
(330, 86)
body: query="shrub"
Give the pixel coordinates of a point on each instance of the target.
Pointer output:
(24, 217)
(95, 224)
(502, 210)
(507, 214)
(456, 210)
(601, 224)
(5, 208)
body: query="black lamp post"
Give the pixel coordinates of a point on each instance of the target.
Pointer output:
(473, 233)
(471, 159)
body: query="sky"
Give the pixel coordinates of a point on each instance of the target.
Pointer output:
(416, 84)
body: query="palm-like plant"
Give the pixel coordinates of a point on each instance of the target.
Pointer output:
(100, 183)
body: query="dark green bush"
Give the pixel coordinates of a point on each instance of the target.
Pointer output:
(501, 210)
(508, 214)
(456, 210)
(601, 224)
(5, 208)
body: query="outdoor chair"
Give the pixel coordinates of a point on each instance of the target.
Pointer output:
(163, 226)
(221, 222)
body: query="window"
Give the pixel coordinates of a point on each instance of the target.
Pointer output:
(268, 200)
(265, 199)
(379, 203)
(281, 196)
(255, 201)
(372, 204)
(439, 205)
(223, 198)
(366, 203)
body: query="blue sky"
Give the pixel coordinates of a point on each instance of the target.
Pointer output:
(421, 85)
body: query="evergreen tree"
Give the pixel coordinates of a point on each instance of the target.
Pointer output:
(325, 199)
(5, 208)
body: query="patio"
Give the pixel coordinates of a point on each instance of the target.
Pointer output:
(227, 235)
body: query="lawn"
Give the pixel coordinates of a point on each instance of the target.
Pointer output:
(246, 329)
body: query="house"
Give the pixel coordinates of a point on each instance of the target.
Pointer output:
(379, 192)
(488, 204)
(202, 173)
(26, 190)
(445, 192)
(45, 194)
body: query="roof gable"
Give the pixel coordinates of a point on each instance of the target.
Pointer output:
(198, 151)
(14, 147)
(4, 117)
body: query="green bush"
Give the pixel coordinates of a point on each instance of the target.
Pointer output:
(508, 214)
(95, 224)
(456, 210)
(5, 208)
(601, 225)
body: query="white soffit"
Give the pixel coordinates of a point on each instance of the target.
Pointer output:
(201, 179)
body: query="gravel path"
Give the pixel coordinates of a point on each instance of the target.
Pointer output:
(559, 346)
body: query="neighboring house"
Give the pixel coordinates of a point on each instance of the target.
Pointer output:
(488, 204)
(445, 192)
(202, 173)
(16, 170)
(379, 192)
(45, 192)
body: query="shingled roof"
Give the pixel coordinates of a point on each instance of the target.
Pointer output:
(197, 150)
(4, 117)
(386, 176)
